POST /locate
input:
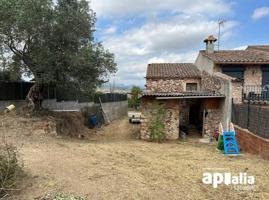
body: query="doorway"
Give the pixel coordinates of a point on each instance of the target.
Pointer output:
(193, 120)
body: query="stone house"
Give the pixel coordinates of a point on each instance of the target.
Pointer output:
(200, 95)
(181, 89)
(250, 65)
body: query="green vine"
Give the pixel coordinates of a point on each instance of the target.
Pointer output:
(156, 123)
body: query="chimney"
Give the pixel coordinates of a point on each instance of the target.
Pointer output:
(210, 43)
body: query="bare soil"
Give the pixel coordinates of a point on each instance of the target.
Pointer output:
(115, 164)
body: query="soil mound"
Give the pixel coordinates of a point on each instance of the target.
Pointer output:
(71, 124)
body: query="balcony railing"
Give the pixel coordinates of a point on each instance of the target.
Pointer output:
(256, 92)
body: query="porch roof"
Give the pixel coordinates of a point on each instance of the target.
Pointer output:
(184, 95)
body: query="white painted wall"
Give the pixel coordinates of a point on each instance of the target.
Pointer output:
(204, 64)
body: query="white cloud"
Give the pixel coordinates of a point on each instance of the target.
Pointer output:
(177, 39)
(187, 57)
(244, 47)
(116, 8)
(178, 33)
(110, 30)
(260, 13)
(170, 31)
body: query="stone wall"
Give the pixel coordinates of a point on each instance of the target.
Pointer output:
(253, 75)
(177, 113)
(212, 121)
(217, 81)
(184, 117)
(213, 116)
(211, 83)
(237, 91)
(169, 85)
(171, 117)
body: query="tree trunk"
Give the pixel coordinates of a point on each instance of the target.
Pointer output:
(34, 98)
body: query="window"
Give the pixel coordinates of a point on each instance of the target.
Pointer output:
(234, 71)
(265, 75)
(191, 87)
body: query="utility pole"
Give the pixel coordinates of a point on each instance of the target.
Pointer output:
(221, 23)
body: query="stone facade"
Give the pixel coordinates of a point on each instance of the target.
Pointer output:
(210, 82)
(217, 82)
(178, 110)
(184, 118)
(237, 91)
(178, 113)
(169, 85)
(171, 117)
(253, 76)
(212, 121)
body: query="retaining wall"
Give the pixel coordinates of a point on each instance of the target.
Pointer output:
(64, 105)
(251, 143)
(116, 110)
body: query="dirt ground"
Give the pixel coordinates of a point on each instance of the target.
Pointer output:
(114, 164)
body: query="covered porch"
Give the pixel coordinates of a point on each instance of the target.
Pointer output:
(195, 114)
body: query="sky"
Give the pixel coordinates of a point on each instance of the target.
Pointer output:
(147, 31)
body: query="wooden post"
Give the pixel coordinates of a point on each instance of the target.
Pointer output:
(107, 121)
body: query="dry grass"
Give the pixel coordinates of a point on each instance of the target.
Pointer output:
(10, 169)
(116, 165)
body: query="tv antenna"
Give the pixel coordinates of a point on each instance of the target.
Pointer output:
(221, 24)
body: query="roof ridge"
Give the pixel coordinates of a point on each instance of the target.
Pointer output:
(171, 63)
(259, 45)
(173, 70)
(248, 56)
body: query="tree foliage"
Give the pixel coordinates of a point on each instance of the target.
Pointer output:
(134, 100)
(8, 71)
(53, 41)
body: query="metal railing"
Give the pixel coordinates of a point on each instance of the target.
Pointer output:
(256, 92)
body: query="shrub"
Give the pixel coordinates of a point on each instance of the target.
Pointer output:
(63, 197)
(156, 123)
(10, 169)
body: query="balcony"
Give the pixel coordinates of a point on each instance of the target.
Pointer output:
(256, 93)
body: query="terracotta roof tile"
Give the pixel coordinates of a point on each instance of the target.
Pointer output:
(172, 70)
(250, 56)
(185, 94)
(259, 47)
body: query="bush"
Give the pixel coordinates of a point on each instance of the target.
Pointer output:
(63, 197)
(156, 123)
(10, 169)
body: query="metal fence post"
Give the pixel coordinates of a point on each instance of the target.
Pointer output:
(248, 110)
